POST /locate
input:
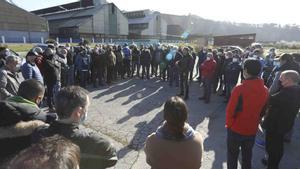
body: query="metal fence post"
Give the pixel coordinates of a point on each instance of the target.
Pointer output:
(3, 39)
(24, 39)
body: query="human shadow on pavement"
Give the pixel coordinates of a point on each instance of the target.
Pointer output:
(137, 85)
(146, 105)
(115, 88)
(142, 92)
(125, 92)
(216, 139)
(156, 95)
(196, 113)
(143, 130)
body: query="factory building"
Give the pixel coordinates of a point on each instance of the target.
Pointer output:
(18, 25)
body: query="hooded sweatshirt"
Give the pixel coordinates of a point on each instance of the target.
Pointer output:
(245, 107)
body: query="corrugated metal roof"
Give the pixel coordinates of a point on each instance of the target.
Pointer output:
(75, 13)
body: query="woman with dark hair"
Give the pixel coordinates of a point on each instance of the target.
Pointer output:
(175, 144)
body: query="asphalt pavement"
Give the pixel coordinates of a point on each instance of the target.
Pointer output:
(128, 111)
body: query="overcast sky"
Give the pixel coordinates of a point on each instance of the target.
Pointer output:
(245, 11)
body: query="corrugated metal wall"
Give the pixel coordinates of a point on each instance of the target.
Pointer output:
(16, 23)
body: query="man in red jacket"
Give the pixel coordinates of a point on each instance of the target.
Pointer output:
(243, 114)
(208, 68)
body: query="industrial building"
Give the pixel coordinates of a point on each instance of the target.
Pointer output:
(146, 24)
(242, 40)
(89, 19)
(17, 25)
(155, 25)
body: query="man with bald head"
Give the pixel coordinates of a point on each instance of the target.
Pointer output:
(280, 116)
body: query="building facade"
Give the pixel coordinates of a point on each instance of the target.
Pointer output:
(145, 24)
(86, 19)
(18, 25)
(242, 40)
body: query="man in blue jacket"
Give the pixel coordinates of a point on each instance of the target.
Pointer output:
(127, 60)
(30, 69)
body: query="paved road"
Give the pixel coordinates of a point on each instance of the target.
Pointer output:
(132, 109)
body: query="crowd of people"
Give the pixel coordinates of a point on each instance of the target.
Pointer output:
(267, 95)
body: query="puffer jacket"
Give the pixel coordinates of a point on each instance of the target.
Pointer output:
(18, 119)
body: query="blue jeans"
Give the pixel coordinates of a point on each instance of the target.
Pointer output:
(236, 141)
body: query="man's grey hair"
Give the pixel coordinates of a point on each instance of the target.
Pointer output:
(292, 75)
(12, 59)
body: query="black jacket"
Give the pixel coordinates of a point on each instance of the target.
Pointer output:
(282, 110)
(232, 72)
(178, 56)
(146, 57)
(96, 152)
(18, 119)
(185, 63)
(52, 68)
(136, 55)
